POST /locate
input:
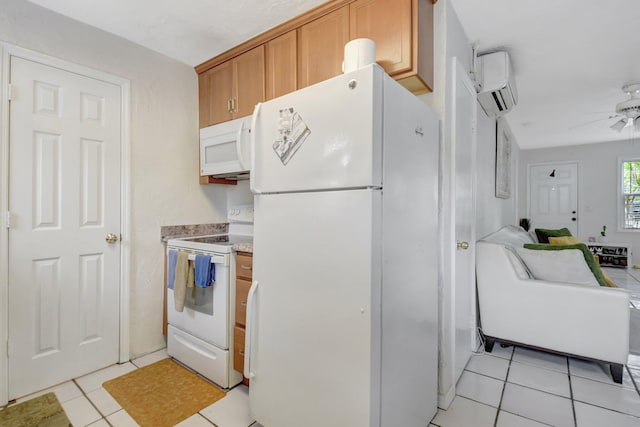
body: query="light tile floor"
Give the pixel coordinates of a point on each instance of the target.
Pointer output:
(526, 388)
(506, 388)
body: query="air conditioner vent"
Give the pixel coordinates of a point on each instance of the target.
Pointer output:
(498, 95)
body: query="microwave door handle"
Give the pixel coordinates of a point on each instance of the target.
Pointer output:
(254, 131)
(239, 146)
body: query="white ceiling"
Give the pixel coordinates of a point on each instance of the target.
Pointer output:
(570, 57)
(191, 31)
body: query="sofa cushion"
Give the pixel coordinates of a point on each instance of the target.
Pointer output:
(519, 266)
(566, 266)
(587, 255)
(509, 235)
(544, 233)
(564, 240)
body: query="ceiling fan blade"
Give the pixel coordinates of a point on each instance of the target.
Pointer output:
(592, 121)
(619, 125)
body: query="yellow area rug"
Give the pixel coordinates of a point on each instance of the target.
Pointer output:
(43, 411)
(162, 394)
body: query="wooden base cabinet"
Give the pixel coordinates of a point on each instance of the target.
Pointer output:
(244, 267)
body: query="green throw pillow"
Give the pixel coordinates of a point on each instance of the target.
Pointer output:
(543, 234)
(588, 256)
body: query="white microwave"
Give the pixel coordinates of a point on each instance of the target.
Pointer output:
(225, 149)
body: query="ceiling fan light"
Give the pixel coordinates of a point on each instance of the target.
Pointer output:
(619, 125)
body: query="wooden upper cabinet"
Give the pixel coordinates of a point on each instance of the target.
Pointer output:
(403, 33)
(321, 47)
(231, 89)
(215, 91)
(281, 64)
(388, 24)
(249, 81)
(310, 48)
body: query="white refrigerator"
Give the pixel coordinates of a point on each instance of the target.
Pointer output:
(342, 321)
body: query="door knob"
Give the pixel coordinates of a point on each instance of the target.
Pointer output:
(111, 238)
(462, 245)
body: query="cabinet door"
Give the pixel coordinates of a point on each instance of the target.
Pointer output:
(244, 266)
(281, 55)
(242, 291)
(238, 348)
(388, 24)
(321, 47)
(248, 72)
(214, 93)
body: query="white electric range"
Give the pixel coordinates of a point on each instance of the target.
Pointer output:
(201, 336)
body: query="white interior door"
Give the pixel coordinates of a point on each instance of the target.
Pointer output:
(553, 196)
(463, 134)
(64, 197)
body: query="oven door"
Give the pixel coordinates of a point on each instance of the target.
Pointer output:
(224, 148)
(205, 314)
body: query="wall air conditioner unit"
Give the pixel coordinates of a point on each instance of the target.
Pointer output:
(498, 94)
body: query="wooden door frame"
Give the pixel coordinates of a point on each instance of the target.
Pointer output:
(559, 162)
(6, 52)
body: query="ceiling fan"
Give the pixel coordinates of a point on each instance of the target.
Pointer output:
(629, 109)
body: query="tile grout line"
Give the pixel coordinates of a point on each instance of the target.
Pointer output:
(633, 380)
(504, 387)
(102, 416)
(573, 403)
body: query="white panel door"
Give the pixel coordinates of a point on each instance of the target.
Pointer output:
(553, 196)
(463, 135)
(64, 185)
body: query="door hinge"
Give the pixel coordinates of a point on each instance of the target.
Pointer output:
(9, 92)
(8, 220)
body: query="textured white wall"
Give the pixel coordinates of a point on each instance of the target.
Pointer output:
(450, 41)
(164, 145)
(598, 186)
(492, 212)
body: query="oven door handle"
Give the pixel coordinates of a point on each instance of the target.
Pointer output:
(250, 325)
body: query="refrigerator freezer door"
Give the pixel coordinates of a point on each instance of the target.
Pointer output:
(325, 136)
(316, 260)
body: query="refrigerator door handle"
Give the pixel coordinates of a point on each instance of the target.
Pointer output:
(249, 330)
(254, 130)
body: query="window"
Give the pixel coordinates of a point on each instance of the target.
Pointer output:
(631, 194)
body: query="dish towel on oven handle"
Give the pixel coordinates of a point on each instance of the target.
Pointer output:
(171, 267)
(182, 280)
(205, 271)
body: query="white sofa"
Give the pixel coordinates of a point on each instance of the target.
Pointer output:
(583, 321)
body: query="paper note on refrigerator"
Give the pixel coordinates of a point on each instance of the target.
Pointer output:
(293, 132)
